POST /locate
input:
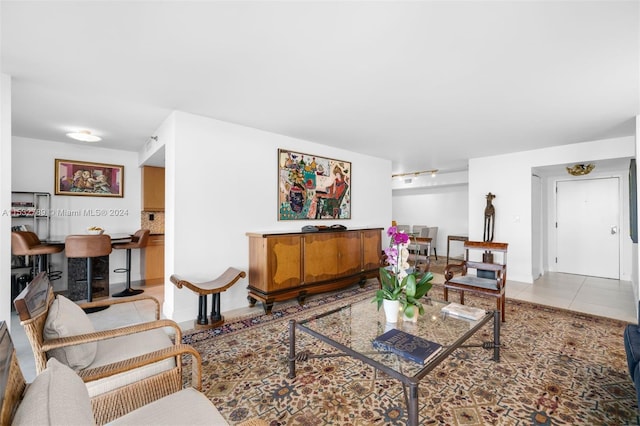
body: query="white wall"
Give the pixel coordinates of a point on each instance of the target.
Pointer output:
(509, 178)
(222, 183)
(33, 170)
(446, 207)
(5, 197)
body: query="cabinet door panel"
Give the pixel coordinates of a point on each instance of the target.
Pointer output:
(153, 188)
(284, 264)
(320, 257)
(154, 260)
(349, 254)
(371, 249)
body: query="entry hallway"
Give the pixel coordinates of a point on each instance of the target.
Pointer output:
(597, 296)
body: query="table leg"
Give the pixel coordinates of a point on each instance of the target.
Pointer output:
(202, 310)
(496, 335)
(413, 405)
(215, 307)
(292, 349)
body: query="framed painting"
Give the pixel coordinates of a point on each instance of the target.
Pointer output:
(311, 187)
(88, 179)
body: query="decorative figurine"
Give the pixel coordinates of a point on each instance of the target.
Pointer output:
(489, 218)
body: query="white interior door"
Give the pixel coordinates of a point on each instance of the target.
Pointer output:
(587, 227)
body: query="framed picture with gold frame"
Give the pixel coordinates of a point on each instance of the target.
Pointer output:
(88, 179)
(311, 187)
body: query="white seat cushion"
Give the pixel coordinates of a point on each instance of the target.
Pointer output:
(57, 396)
(187, 407)
(124, 347)
(65, 319)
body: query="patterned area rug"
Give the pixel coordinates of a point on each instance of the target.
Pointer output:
(557, 368)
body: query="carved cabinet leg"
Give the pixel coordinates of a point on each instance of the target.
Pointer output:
(301, 298)
(267, 305)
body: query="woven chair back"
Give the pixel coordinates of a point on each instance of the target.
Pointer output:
(33, 320)
(10, 377)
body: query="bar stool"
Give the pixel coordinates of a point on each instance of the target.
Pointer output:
(27, 243)
(139, 240)
(88, 246)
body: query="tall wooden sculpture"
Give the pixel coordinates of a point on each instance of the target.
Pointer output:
(489, 218)
(489, 225)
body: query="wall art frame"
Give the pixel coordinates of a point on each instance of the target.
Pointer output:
(312, 187)
(85, 178)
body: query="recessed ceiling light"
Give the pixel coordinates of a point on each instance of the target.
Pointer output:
(84, 136)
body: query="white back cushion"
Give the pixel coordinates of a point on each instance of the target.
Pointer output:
(64, 319)
(57, 396)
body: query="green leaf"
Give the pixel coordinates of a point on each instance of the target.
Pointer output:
(423, 290)
(425, 278)
(409, 311)
(410, 285)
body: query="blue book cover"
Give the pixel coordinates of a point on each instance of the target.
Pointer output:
(407, 345)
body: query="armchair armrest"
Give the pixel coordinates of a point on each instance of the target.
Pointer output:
(109, 302)
(149, 358)
(453, 268)
(47, 345)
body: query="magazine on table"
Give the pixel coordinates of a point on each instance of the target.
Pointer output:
(464, 311)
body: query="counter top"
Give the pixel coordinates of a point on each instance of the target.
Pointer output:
(59, 239)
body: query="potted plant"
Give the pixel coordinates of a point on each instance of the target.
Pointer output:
(399, 284)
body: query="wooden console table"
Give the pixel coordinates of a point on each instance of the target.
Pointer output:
(287, 265)
(454, 238)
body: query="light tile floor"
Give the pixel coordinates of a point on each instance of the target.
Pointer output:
(597, 296)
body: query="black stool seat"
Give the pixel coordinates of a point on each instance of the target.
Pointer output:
(139, 240)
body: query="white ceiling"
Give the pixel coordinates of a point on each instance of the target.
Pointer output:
(425, 84)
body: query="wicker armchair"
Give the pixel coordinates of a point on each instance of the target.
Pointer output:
(57, 395)
(133, 365)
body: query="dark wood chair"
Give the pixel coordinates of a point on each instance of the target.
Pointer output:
(490, 277)
(417, 246)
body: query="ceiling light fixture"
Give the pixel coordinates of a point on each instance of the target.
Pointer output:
(416, 174)
(580, 169)
(84, 136)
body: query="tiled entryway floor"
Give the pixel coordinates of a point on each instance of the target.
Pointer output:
(597, 296)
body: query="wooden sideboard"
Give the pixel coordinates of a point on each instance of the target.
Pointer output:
(291, 265)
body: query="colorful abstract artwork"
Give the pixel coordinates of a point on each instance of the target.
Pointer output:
(312, 187)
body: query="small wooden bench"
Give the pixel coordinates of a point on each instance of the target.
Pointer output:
(214, 287)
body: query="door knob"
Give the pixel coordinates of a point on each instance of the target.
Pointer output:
(614, 230)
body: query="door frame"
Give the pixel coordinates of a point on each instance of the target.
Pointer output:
(550, 243)
(614, 269)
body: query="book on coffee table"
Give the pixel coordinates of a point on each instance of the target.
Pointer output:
(464, 311)
(408, 346)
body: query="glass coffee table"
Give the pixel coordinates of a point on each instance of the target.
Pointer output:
(352, 328)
